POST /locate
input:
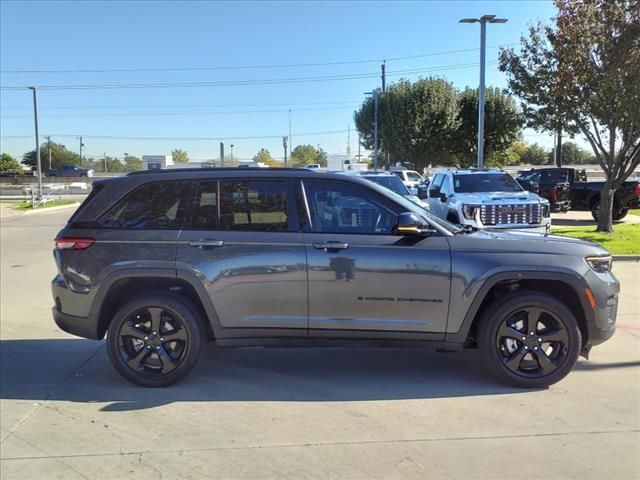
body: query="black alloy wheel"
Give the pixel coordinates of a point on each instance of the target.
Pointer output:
(155, 340)
(529, 339)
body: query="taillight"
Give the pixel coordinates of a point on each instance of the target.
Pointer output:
(73, 243)
(553, 194)
(636, 190)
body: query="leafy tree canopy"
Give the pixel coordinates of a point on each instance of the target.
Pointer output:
(179, 155)
(8, 163)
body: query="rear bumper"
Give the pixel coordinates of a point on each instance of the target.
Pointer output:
(80, 322)
(78, 326)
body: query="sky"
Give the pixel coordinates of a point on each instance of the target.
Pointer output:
(253, 45)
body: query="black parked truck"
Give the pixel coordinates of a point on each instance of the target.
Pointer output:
(551, 184)
(584, 194)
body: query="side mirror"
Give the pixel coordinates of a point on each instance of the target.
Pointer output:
(422, 192)
(434, 192)
(411, 224)
(443, 197)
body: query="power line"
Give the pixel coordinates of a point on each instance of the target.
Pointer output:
(155, 114)
(223, 83)
(225, 105)
(251, 67)
(124, 137)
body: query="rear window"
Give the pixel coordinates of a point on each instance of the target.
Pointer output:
(156, 206)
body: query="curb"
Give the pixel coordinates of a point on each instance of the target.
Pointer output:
(51, 209)
(626, 258)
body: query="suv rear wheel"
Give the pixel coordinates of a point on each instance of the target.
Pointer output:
(529, 340)
(155, 340)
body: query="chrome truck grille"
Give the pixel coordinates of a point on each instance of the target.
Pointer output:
(510, 214)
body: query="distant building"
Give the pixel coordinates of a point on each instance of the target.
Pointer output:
(157, 162)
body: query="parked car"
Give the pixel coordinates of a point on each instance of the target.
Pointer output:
(585, 193)
(313, 166)
(552, 185)
(487, 198)
(392, 182)
(70, 171)
(410, 178)
(166, 260)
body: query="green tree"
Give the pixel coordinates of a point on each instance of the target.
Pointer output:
(587, 66)
(502, 126)
(133, 164)
(572, 154)
(8, 163)
(179, 155)
(307, 154)
(535, 154)
(59, 156)
(112, 164)
(263, 156)
(416, 120)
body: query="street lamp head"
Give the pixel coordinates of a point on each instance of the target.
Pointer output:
(498, 20)
(468, 20)
(487, 18)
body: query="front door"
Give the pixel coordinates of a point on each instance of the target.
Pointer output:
(362, 276)
(244, 246)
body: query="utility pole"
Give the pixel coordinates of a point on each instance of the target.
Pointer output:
(290, 138)
(104, 157)
(38, 161)
(559, 148)
(81, 145)
(383, 67)
(221, 154)
(483, 39)
(284, 145)
(375, 132)
(231, 152)
(49, 147)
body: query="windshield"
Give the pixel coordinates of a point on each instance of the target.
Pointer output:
(485, 182)
(414, 176)
(410, 206)
(393, 183)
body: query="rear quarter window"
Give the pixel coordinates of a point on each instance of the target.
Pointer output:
(159, 205)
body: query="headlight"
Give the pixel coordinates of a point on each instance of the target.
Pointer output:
(599, 264)
(469, 211)
(545, 210)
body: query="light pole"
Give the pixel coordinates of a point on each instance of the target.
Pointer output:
(483, 39)
(231, 152)
(375, 127)
(81, 147)
(38, 161)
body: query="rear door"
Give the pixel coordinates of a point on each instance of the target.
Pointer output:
(243, 244)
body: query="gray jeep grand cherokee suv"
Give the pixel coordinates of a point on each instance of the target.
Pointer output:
(163, 261)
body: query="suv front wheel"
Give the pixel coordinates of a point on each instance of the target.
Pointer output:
(155, 340)
(529, 340)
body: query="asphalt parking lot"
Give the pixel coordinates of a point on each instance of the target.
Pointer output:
(295, 413)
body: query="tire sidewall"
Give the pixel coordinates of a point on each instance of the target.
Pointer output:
(497, 313)
(179, 307)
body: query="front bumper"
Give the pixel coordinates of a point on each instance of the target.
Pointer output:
(605, 289)
(562, 206)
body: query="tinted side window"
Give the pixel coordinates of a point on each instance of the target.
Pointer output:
(341, 208)
(205, 207)
(160, 205)
(254, 205)
(434, 187)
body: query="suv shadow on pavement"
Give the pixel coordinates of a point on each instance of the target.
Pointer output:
(75, 370)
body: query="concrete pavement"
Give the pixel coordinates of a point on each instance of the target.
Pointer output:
(297, 413)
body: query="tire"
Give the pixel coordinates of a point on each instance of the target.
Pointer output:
(620, 214)
(532, 362)
(595, 210)
(453, 218)
(137, 339)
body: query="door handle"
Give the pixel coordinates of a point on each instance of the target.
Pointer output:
(206, 243)
(326, 246)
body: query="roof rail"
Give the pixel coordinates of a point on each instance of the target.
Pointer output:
(217, 169)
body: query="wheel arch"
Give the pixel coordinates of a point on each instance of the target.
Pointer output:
(124, 285)
(564, 287)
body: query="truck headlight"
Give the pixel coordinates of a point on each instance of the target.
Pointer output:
(599, 264)
(469, 211)
(546, 210)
